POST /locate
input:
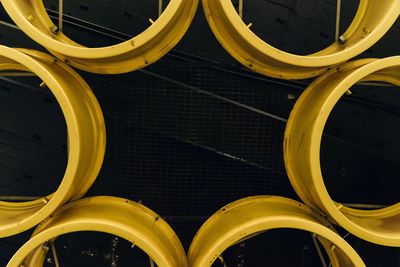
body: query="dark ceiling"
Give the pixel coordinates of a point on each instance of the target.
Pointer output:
(195, 130)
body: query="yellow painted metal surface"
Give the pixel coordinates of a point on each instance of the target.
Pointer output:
(253, 215)
(372, 21)
(138, 52)
(86, 134)
(302, 149)
(241, 219)
(116, 216)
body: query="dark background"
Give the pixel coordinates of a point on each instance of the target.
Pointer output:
(195, 131)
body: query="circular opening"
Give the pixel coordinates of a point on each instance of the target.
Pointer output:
(11, 244)
(33, 134)
(94, 249)
(113, 23)
(268, 247)
(294, 26)
(359, 148)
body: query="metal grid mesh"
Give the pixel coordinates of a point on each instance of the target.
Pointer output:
(185, 136)
(187, 144)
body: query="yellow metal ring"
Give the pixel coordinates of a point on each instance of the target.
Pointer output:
(249, 216)
(372, 20)
(126, 219)
(302, 149)
(138, 52)
(86, 135)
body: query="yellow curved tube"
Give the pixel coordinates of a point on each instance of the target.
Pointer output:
(138, 52)
(86, 135)
(302, 149)
(244, 218)
(372, 20)
(116, 216)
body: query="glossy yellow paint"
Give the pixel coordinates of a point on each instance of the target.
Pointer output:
(302, 149)
(372, 21)
(86, 134)
(140, 51)
(116, 216)
(253, 215)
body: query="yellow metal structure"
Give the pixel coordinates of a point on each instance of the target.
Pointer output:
(147, 47)
(302, 149)
(253, 215)
(372, 20)
(126, 219)
(86, 135)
